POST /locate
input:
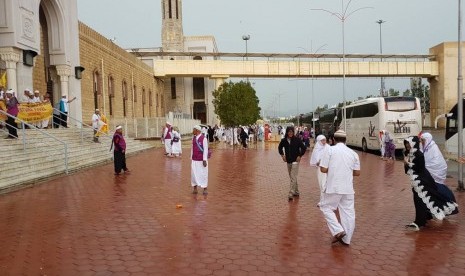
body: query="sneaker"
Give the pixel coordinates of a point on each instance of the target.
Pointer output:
(290, 197)
(412, 226)
(194, 191)
(205, 192)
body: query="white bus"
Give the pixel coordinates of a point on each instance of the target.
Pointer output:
(401, 116)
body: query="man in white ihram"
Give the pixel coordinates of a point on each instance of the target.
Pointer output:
(199, 157)
(341, 164)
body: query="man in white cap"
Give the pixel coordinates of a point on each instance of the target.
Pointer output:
(64, 110)
(199, 156)
(119, 152)
(29, 96)
(96, 124)
(167, 135)
(341, 164)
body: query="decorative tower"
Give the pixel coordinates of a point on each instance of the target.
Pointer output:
(172, 35)
(172, 38)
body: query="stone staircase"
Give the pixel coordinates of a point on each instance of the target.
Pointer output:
(43, 156)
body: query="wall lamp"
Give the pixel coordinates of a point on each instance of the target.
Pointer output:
(78, 72)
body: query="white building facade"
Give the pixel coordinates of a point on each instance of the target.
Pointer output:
(41, 27)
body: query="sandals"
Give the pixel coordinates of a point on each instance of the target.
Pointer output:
(413, 226)
(338, 237)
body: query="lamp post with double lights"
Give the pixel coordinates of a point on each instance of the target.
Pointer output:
(321, 48)
(343, 16)
(381, 52)
(246, 38)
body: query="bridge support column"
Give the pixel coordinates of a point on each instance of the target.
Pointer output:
(443, 89)
(219, 79)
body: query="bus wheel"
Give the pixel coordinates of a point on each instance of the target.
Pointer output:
(364, 145)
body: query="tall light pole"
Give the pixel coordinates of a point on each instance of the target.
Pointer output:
(343, 16)
(313, 53)
(381, 52)
(246, 39)
(460, 100)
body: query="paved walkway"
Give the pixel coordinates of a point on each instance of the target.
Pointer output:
(93, 223)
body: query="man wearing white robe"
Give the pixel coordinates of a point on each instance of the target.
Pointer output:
(167, 136)
(341, 164)
(199, 164)
(96, 124)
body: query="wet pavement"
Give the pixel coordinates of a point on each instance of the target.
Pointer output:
(95, 223)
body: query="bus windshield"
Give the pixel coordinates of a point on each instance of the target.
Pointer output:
(400, 104)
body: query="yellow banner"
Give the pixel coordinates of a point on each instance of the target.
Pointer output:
(3, 79)
(3, 108)
(35, 112)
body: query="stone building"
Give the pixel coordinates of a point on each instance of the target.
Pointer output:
(44, 47)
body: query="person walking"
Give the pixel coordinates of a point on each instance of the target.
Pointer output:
(96, 123)
(428, 201)
(291, 150)
(167, 135)
(390, 147)
(199, 164)
(176, 147)
(119, 151)
(435, 164)
(318, 151)
(341, 164)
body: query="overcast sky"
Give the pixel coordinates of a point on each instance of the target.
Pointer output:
(287, 26)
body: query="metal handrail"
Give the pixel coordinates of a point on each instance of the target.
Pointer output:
(82, 124)
(24, 124)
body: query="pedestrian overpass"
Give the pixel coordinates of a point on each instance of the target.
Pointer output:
(297, 65)
(439, 67)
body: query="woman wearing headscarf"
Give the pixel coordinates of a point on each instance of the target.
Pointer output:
(435, 164)
(176, 147)
(389, 148)
(429, 203)
(381, 143)
(318, 151)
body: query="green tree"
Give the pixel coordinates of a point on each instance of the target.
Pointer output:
(393, 92)
(236, 104)
(421, 92)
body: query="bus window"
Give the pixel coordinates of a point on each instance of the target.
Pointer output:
(400, 104)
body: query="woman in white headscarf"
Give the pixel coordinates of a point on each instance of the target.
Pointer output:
(176, 148)
(318, 151)
(435, 164)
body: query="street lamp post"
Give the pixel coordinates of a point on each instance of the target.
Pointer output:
(343, 16)
(381, 51)
(460, 100)
(246, 39)
(313, 53)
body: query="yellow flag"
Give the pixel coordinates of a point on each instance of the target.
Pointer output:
(3, 80)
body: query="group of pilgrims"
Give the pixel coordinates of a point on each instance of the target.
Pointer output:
(337, 164)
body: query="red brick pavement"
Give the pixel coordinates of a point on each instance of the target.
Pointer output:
(93, 223)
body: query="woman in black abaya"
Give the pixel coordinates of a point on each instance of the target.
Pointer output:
(429, 203)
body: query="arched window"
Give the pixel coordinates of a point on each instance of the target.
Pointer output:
(173, 86)
(143, 102)
(198, 85)
(134, 100)
(111, 93)
(150, 103)
(97, 86)
(124, 90)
